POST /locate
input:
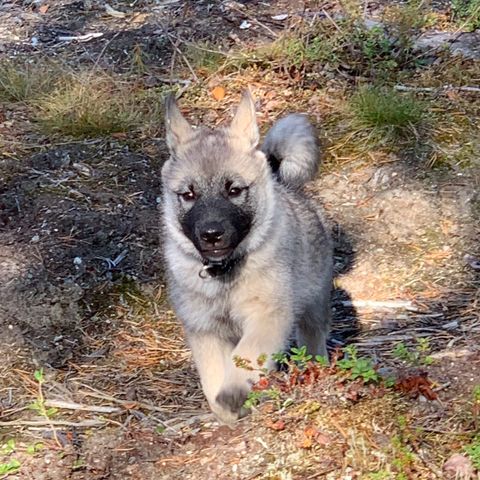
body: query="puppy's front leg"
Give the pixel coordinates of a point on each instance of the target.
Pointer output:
(211, 355)
(266, 330)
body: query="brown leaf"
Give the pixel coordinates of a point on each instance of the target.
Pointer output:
(43, 9)
(306, 443)
(416, 385)
(218, 93)
(452, 95)
(262, 384)
(310, 432)
(119, 135)
(353, 392)
(279, 425)
(267, 408)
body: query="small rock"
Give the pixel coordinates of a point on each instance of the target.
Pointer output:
(282, 16)
(77, 261)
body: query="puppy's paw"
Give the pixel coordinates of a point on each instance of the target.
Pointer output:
(229, 403)
(232, 398)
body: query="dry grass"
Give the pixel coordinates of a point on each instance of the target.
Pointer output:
(95, 104)
(88, 103)
(24, 80)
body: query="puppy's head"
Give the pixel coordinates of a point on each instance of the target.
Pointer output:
(216, 184)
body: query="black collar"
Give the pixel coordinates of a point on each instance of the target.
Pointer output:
(214, 269)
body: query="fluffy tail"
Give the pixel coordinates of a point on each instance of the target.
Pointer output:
(291, 147)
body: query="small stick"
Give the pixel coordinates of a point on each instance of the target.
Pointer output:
(253, 19)
(78, 406)
(393, 304)
(49, 423)
(185, 59)
(97, 394)
(80, 38)
(406, 88)
(334, 23)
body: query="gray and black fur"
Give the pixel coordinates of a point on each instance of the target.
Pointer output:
(248, 256)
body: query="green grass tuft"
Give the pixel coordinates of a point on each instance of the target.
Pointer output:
(386, 112)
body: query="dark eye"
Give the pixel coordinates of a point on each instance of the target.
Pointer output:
(233, 191)
(189, 195)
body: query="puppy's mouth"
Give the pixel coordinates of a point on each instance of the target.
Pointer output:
(216, 254)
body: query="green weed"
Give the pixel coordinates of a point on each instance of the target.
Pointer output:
(357, 367)
(38, 405)
(473, 451)
(256, 396)
(380, 475)
(9, 467)
(476, 393)
(467, 13)
(8, 447)
(34, 448)
(416, 356)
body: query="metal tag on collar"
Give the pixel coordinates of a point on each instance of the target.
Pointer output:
(204, 272)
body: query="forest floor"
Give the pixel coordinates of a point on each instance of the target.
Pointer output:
(96, 381)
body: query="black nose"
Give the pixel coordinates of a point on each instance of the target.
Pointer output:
(212, 233)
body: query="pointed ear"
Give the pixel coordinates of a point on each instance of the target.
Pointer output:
(178, 130)
(244, 123)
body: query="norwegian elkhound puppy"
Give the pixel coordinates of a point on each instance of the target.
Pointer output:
(248, 256)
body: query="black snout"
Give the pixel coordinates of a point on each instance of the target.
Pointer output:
(212, 232)
(216, 227)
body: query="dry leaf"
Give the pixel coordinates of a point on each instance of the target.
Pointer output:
(218, 93)
(279, 425)
(416, 385)
(306, 443)
(119, 135)
(43, 9)
(310, 432)
(262, 384)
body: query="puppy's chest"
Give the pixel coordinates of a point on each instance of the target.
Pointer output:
(216, 314)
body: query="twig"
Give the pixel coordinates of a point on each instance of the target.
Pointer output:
(393, 304)
(334, 23)
(49, 423)
(179, 52)
(340, 429)
(406, 88)
(81, 38)
(102, 51)
(78, 406)
(96, 394)
(253, 19)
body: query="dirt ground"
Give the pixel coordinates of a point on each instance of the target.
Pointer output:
(81, 283)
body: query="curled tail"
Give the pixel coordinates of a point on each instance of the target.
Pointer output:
(292, 150)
